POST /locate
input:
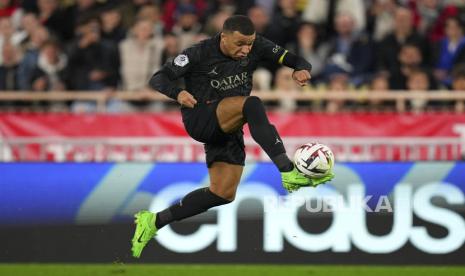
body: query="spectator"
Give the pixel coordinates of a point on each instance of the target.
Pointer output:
(29, 23)
(152, 13)
(381, 18)
(52, 17)
(8, 8)
(8, 34)
(418, 81)
(425, 13)
(450, 49)
(350, 51)
(81, 10)
(112, 26)
(404, 33)
(322, 12)
(310, 47)
(93, 62)
(263, 76)
(286, 21)
(229, 6)
(187, 26)
(173, 8)
(140, 56)
(31, 56)
(269, 5)
(130, 9)
(262, 25)
(430, 17)
(379, 83)
(49, 74)
(171, 49)
(215, 24)
(12, 10)
(260, 20)
(9, 68)
(338, 81)
(409, 59)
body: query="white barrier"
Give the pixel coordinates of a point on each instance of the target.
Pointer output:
(184, 149)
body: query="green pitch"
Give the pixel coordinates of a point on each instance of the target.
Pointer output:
(223, 270)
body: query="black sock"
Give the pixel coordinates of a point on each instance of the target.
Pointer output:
(265, 134)
(193, 203)
(283, 163)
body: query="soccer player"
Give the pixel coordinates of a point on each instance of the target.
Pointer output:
(215, 105)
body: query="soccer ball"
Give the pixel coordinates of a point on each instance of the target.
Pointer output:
(314, 160)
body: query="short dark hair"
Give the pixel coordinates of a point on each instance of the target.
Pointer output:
(240, 23)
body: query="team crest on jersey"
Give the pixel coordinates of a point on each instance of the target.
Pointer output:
(181, 60)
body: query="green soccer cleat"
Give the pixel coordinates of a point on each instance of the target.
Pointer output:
(145, 231)
(294, 180)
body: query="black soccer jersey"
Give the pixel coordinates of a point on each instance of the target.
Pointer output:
(210, 75)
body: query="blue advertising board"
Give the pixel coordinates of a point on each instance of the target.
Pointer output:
(106, 193)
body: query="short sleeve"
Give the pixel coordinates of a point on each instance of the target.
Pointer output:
(182, 63)
(269, 50)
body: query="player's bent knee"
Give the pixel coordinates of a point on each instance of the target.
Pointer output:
(252, 105)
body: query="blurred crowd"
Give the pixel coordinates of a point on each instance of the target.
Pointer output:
(116, 45)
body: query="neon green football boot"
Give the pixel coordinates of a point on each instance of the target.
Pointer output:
(294, 180)
(145, 231)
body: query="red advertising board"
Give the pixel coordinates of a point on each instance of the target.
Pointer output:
(170, 124)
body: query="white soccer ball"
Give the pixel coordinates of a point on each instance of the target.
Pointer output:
(314, 160)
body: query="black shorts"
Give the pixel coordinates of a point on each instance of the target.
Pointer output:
(202, 124)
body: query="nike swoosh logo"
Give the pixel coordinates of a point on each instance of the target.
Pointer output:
(141, 235)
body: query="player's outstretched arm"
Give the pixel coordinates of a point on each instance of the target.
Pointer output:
(275, 53)
(161, 82)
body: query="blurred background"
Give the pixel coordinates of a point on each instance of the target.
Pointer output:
(85, 143)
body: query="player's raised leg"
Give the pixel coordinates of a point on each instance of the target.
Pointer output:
(233, 112)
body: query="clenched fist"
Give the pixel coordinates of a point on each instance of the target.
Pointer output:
(301, 77)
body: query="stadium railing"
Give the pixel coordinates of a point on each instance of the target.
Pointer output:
(400, 98)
